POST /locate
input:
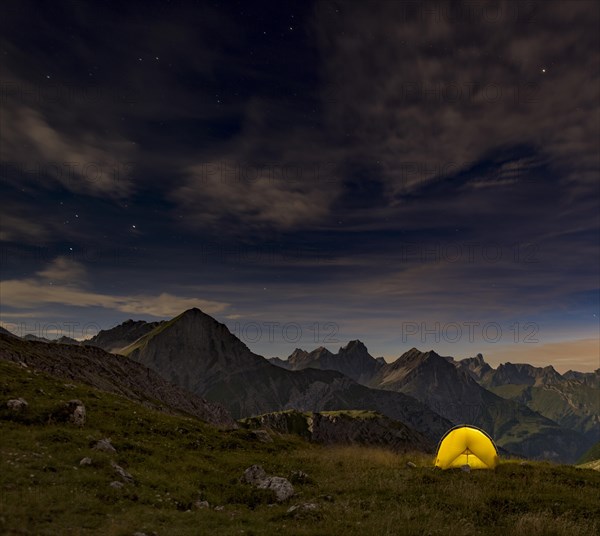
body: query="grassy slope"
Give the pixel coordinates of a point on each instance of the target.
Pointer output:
(176, 460)
(591, 455)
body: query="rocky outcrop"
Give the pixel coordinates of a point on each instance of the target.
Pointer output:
(17, 404)
(475, 366)
(256, 476)
(104, 445)
(72, 411)
(341, 427)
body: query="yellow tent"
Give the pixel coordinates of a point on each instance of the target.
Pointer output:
(466, 445)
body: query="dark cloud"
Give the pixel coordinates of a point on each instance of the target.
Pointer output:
(360, 163)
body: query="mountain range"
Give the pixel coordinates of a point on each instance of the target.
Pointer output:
(466, 391)
(531, 412)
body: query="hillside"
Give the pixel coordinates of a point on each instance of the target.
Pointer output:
(111, 373)
(176, 461)
(591, 455)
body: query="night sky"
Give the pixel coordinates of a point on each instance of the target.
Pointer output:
(408, 174)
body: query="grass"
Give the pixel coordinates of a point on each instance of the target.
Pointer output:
(177, 460)
(593, 454)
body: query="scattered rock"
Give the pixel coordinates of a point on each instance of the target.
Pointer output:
(257, 476)
(77, 412)
(281, 486)
(72, 411)
(116, 484)
(104, 445)
(263, 436)
(219, 508)
(200, 505)
(465, 468)
(411, 465)
(299, 511)
(85, 461)
(17, 404)
(122, 473)
(254, 474)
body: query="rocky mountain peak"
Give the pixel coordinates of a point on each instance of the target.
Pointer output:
(354, 346)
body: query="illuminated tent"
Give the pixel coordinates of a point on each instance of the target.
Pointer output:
(466, 445)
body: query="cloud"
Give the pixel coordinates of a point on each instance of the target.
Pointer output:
(253, 195)
(64, 271)
(18, 228)
(435, 84)
(68, 290)
(83, 162)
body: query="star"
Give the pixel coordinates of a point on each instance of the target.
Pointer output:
(543, 70)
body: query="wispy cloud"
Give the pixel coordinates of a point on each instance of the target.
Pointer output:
(62, 283)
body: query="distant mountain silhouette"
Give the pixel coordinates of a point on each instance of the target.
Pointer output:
(571, 399)
(353, 360)
(200, 354)
(116, 338)
(455, 390)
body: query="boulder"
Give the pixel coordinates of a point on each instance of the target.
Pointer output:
(17, 404)
(85, 461)
(200, 505)
(116, 484)
(299, 511)
(72, 411)
(122, 473)
(281, 486)
(412, 465)
(104, 445)
(262, 435)
(254, 474)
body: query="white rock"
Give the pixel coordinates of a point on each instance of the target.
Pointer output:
(104, 445)
(281, 486)
(17, 404)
